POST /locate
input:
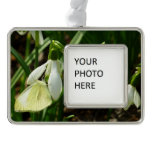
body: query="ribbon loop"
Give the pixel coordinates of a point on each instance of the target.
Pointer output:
(76, 16)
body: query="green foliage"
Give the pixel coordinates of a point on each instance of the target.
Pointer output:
(28, 61)
(78, 37)
(136, 76)
(21, 61)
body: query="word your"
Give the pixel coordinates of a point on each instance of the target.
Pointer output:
(83, 61)
(86, 73)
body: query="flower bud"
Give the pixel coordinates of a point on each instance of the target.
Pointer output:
(56, 45)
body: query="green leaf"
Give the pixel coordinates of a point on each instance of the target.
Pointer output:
(78, 37)
(21, 61)
(68, 117)
(103, 42)
(136, 75)
(28, 61)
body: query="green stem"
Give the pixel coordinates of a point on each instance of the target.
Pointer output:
(60, 108)
(27, 49)
(43, 114)
(36, 48)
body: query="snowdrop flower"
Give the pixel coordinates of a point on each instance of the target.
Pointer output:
(38, 95)
(34, 98)
(52, 75)
(133, 97)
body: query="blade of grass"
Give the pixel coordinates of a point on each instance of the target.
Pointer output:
(14, 115)
(21, 61)
(36, 48)
(28, 61)
(77, 37)
(27, 51)
(68, 117)
(28, 40)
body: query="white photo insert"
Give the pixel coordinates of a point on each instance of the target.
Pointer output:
(95, 76)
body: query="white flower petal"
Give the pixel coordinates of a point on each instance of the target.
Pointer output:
(41, 40)
(35, 98)
(36, 74)
(48, 69)
(137, 100)
(133, 97)
(59, 66)
(130, 96)
(131, 90)
(20, 103)
(55, 82)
